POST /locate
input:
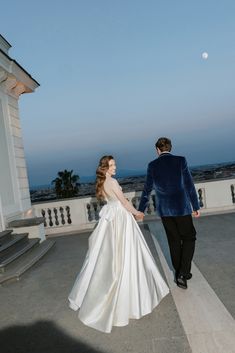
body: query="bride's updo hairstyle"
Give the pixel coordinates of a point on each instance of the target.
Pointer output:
(101, 176)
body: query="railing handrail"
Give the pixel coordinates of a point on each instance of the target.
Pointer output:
(2, 222)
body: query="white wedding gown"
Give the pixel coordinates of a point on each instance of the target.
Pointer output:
(119, 279)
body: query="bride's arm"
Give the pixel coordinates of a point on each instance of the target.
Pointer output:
(118, 192)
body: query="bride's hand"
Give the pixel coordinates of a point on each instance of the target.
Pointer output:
(139, 216)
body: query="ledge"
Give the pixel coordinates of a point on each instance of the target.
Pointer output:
(27, 222)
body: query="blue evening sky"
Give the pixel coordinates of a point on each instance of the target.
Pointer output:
(116, 75)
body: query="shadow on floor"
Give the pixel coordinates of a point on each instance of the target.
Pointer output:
(162, 241)
(41, 337)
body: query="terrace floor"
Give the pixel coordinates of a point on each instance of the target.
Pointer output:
(35, 317)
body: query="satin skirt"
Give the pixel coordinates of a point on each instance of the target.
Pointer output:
(119, 279)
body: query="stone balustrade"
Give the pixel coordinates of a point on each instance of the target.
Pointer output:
(81, 213)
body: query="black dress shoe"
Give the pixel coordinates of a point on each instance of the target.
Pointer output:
(176, 276)
(181, 282)
(188, 276)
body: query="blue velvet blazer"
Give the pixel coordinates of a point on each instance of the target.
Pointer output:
(175, 192)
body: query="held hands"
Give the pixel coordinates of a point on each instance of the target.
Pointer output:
(196, 214)
(139, 216)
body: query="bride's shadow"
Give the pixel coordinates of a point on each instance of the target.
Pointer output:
(40, 337)
(162, 241)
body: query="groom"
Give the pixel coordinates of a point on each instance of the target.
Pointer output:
(176, 197)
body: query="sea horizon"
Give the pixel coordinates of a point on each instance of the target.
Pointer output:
(126, 173)
(91, 178)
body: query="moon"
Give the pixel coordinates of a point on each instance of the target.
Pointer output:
(204, 55)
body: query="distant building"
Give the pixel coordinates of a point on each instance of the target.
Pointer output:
(14, 186)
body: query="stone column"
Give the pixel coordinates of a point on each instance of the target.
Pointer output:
(14, 187)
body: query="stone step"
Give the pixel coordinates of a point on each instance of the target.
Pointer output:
(26, 222)
(5, 235)
(17, 253)
(15, 242)
(23, 263)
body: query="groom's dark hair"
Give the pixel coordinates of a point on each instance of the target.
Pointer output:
(164, 144)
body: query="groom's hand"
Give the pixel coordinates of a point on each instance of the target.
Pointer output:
(139, 216)
(196, 214)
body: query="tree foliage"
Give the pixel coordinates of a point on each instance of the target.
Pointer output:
(66, 184)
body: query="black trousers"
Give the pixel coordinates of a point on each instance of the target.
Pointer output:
(181, 236)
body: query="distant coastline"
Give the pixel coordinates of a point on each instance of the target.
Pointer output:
(91, 178)
(136, 173)
(130, 182)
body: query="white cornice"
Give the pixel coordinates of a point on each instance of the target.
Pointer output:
(23, 77)
(3, 75)
(4, 45)
(11, 85)
(13, 78)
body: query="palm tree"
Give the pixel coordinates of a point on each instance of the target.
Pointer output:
(66, 184)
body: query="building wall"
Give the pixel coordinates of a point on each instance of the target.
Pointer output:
(6, 188)
(14, 186)
(18, 154)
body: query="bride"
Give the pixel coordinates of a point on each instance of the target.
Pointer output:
(119, 279)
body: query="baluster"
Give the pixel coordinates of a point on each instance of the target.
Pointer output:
(233, 193)
(150, 209)
(69, 220)
(154, 202)
(50, 217)
(62, 215)
(88, 206)
(200, 197)
(101, 204)
(138, 200)
(135, 202)
(96, 212)
(43, 212)
(56, 216)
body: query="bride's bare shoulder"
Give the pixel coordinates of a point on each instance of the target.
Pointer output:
(112, 182)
